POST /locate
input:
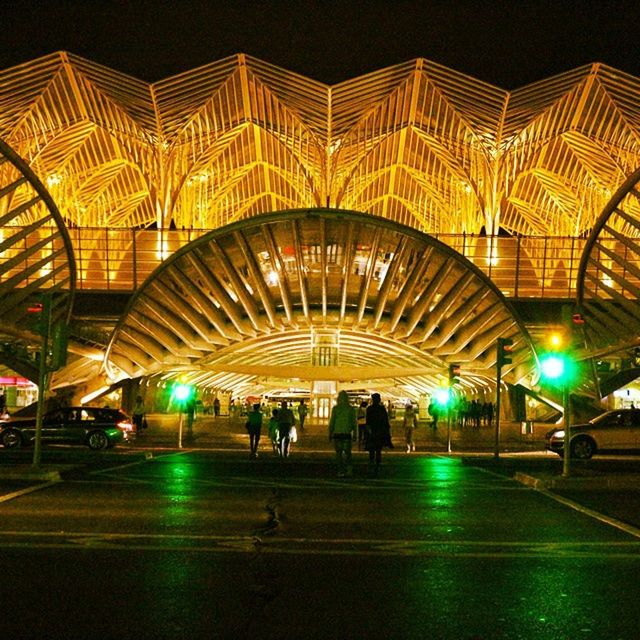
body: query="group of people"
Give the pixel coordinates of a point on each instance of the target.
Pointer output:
(370, 423)
(282, 429)
(464, 413)
(474, 413)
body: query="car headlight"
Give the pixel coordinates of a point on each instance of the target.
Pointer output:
(558, 434)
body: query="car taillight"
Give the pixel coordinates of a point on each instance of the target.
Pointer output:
(125, 426)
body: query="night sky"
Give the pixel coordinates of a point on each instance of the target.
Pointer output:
(509, 43)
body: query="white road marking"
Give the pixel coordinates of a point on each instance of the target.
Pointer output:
(592, 513)
(24, 492)
(136, 463)
(319, 546)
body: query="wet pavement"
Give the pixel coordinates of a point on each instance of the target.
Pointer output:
(202, 542)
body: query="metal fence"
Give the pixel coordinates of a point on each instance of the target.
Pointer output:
(120, 260)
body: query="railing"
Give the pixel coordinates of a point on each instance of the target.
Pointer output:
(120, 260)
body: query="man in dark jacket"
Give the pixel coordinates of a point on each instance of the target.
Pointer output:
(286, 420)
(378, 432)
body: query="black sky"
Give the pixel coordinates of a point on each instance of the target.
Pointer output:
(509, 43)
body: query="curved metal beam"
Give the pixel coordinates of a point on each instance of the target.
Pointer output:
(317, 291)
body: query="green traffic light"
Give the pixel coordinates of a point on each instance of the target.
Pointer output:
(552, 367)
(557, 367)
(182, 392)
(442, 396)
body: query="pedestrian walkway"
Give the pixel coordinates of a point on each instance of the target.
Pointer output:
(230, 432)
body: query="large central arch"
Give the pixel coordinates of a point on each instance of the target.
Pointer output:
(316, 294)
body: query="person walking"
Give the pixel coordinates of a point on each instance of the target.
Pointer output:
(378, 433)
(434, 412)
(409, 422)
(286, 421)
(342, 428)
(138, 415)
(273, 432)
(190, 411)
(302, 413)
(488, 413)
(254, 427)
(362, 422)
(216, 407)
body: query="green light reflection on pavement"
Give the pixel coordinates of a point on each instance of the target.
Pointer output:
(178, 512)
(546, 597)
(441, 497)
(510, 599)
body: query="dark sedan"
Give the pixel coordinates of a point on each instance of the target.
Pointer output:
(95, 427)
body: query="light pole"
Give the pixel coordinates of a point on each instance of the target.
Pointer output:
(504, 351)
(559, 368)
(566, 402)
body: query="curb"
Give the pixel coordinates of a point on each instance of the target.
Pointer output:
(30, 473)
(580, 483)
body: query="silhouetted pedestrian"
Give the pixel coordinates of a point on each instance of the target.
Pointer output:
(409, 422)
(274, 436)
(254, 427)
(342, 428)
(138, 415)
(286, 421)
(378, 432)
(362, 422)
(302, 413)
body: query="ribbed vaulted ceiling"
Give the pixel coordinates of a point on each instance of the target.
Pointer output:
(416, 143)
(316, 295)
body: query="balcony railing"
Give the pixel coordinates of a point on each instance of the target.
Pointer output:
(120, 260)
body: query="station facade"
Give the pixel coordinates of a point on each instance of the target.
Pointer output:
(253, 231)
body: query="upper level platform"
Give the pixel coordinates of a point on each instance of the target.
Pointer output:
(120, 260)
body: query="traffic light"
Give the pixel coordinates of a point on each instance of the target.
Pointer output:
(39, 314)
(182, 392)
(557, 364)
(454, 374)
(558, 339)
(442, 397)
(505, 351)
(59, 346)
(553, 366)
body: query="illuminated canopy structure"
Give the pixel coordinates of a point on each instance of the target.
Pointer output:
(415, 144)
(35, 256)
(316, 295)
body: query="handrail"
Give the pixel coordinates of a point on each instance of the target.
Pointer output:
(119, 260)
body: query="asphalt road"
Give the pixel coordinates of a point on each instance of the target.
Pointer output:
(210, 544)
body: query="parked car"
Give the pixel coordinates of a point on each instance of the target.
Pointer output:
(28, 411)
(611, 432)
(96, 427)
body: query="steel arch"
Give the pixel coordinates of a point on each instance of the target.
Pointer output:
(608, 281)
(35, 248)
(264, 296)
